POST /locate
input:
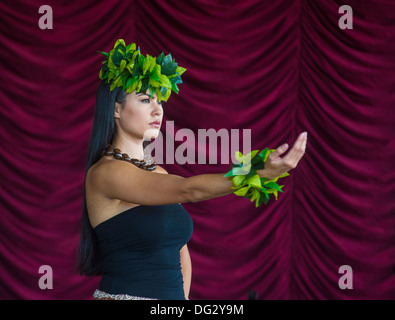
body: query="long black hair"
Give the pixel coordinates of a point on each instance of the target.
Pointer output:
(102, 134)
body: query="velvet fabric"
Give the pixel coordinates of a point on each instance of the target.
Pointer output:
(276, 68)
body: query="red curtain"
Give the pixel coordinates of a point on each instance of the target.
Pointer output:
(275, 67)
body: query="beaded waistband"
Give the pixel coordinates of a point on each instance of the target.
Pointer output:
(101, 295)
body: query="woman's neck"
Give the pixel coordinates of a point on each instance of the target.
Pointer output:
(133, 148)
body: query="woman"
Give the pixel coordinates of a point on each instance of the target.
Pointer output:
(134, 228)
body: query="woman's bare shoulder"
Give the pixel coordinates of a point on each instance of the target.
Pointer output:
(114, 182)
(105, 165)
(104, 162)
(97, 167)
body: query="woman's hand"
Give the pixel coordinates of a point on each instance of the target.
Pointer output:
(276, 166)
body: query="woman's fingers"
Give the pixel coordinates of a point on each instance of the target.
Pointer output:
(278, 152)
(277, 165)
(301, 148)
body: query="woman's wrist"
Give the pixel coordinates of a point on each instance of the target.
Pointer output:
(265, 173)
(252, 180)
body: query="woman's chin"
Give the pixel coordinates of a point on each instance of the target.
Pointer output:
(151, 134)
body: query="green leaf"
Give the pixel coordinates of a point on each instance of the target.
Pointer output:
(263, 191)
(169, 67)
(158, 94)
(144, 85)
(174, 87)
(167, 95)
(119, 42)
(255, 195)
(244, 170)
(154, 75)
(111, 65)
(124, 80)
(104, 53)
(165, 82)
(175, 79)
(273, 185)
(239, 156)
(122, 65)
(129, 89)
(146, 65)
(238, 180)
(154, 83)
(180, 70)
(112, 87)
(136, 70)
(152, 92)
(251, 155)
(242, 191)
(116, 58)
(286, 174)
(131, 47)
(262, 154)
(254, 181)
(159, 59)
(229, 174)
(130, 81)
(252, 173)
(152, 65)
(274, 192)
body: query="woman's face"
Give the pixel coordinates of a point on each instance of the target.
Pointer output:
(136, 117)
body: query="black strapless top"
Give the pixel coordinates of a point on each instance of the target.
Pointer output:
(140, 250)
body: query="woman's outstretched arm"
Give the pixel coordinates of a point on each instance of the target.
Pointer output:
(121, 180)
(208, 186)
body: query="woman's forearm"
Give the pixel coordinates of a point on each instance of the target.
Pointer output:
(209, 186)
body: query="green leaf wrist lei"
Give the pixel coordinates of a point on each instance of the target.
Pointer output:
(246, 180)
(126, 67)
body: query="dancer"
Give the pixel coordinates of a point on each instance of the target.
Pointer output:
(134, 228)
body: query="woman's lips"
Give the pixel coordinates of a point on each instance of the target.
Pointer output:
(156, 125)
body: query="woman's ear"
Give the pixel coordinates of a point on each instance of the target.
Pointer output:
(117, 110)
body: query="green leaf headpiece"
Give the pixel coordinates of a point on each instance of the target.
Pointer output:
(126, 67)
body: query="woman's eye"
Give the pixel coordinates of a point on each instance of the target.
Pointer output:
(148, 101)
